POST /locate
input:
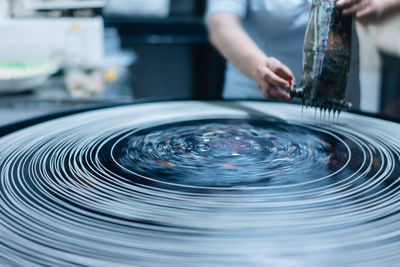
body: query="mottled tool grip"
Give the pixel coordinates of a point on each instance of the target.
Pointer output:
(326, 57)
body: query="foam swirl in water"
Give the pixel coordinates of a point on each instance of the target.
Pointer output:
(146, 185)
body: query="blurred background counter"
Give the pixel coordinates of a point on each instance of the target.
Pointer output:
(104, 52)
(62, 54)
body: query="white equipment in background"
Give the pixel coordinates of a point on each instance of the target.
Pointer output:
(19, 76)
(139, 8)
(62, 4)
(46, 40)
(4, 9)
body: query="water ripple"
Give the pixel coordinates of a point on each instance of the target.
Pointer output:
(211, 187)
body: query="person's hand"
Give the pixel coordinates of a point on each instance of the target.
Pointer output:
(274, 78)
(367, 11)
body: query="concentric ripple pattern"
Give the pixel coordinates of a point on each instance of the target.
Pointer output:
(150, 185)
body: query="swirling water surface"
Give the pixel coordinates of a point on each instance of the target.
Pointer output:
(99, 190)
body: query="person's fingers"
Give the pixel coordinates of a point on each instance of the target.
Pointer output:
(365, 12)
(274, 76)
(281, 70)
(275, 80)
(275, 93)
(352, 10)
(287, 75)
(344, 3)
(368, 13)
(284, 72)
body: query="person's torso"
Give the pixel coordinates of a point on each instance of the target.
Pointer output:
(275, 18)
(278, 28)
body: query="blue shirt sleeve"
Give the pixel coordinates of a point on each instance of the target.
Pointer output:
(237, 7)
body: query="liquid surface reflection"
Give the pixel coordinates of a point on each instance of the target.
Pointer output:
(130, 186)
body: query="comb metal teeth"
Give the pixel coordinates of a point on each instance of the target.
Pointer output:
(324, 104)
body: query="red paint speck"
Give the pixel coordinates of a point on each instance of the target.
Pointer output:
(166, 163)
(229, 166)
